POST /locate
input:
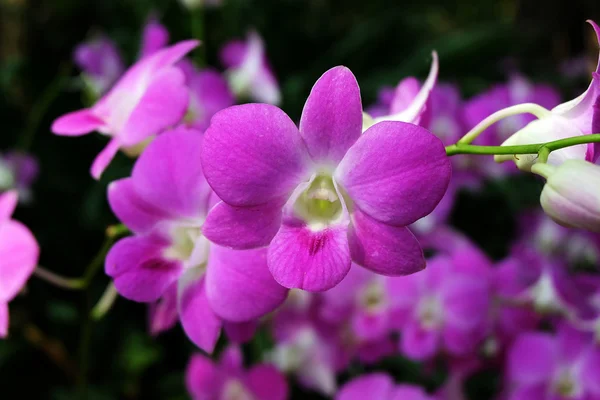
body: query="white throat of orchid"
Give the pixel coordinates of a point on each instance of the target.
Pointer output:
(7, 177)
(188, 245)
(318, 203)
(373, 297)
(430, 312)
(565, 385)
(544, 296)
(235, 390)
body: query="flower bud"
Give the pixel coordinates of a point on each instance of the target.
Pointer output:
(571, 196)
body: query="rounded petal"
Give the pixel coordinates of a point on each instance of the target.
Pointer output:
(253, 154)
(267, 383)
(243, 227)
(137, 214)
(76, 123)
(384, 249)
(332, 117)
(168, 174)
(311, 260)
(370, 386)
(139, 270)
(203, 379)
(19, 253)
(163, 104)
(532, 359)
(396, 172)
(199, 321)
(239, 285)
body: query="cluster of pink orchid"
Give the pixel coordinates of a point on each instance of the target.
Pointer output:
(333, 234)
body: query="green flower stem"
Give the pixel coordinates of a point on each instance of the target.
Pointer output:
(113, 232)
(543, 149)
(105, 303)
(197, 28)
(525, 108)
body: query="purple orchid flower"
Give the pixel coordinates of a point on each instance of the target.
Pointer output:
(248, 70)
(574, 118)
(543, 366)
(167, 217)
(323, 195)
(443, 307)
(228, 380)
(18, 171)
(149, 98)
(155, 37)
(410, 101)
(19, 253)
(100, 62)
(380, 386)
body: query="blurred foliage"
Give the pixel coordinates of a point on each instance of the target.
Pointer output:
(55, 351)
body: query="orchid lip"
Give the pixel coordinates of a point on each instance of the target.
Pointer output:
(188, 245)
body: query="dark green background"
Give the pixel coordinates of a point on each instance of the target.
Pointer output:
(381, 41)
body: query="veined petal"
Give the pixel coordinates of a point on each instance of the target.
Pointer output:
(239, 285)
(332, 117)
(371, 386)
(199, 321)
(77, 123)
(396, 172)
(137, 214)
(19, 253)
(139, 270)
(243, 227)
(311, 260)
(163, 104)
(8, 203)
(384, 249)
(168, 174)
(253, 154)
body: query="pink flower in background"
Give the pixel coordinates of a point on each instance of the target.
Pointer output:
(227, 379)
(18, 171)
(168, 248)
(19, 253)
(380, 386)
(248, 70)
(444, 307)
(155, 37)
(543, 366)
(409, 102)
(325, 194)
(100, 62)
(148, 99)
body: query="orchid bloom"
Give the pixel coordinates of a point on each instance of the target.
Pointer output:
(577, 117)
(248, 70)
(410, 102)
(19, 253)
(18, 171)
(168, 248)
(380, 386)
(543, 366)
(148, 99)
(326, 194)
(227, 379)
(100, 63)
(155, 37)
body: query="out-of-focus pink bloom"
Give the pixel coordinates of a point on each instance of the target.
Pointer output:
(227, 379)
(577, 117)
(410, 101)
(148, 99)
(19, 253)
(100, 62)
(542, 366)
(325, 194)
(248, 70)
(444, 307)
(154, 38)
(381, 387)
(571, 196)
(168, 248)
(18, 171)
